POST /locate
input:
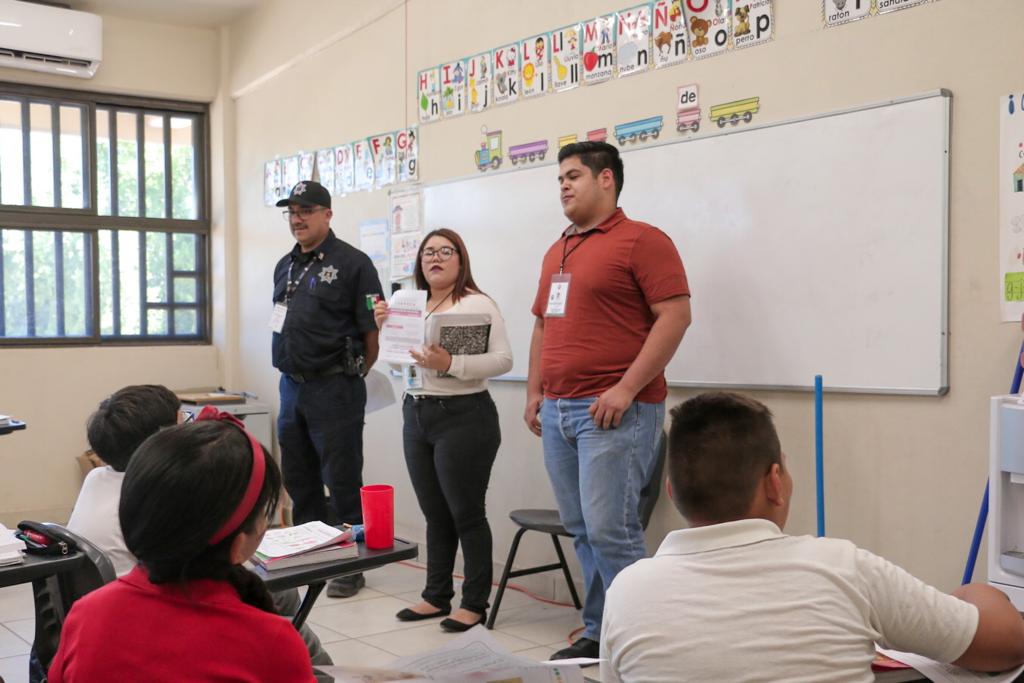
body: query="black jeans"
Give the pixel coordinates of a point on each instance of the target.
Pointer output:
(320, 429)
(450, 445)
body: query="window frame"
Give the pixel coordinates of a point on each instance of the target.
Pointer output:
(88, 220)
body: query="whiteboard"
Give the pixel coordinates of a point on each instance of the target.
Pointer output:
(812, 246)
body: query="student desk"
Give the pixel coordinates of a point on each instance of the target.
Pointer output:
(39, 567)
(315, 576)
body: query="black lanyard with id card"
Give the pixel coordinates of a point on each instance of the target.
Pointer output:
(558, 293)
(281, 309)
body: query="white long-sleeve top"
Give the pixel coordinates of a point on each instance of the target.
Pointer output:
(469, 373)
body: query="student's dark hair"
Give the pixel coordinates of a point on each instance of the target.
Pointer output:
(181, 487)
(464, 283)
(597, 156)
(128, 418)
(720, 446)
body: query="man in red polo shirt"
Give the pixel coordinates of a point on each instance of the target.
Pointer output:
(611, 308)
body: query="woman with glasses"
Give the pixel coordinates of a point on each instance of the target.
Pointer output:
(451, 432)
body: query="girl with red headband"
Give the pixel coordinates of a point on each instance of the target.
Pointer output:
(194, 506)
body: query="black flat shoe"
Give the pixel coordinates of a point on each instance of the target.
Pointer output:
(409, 615)
(456, 626)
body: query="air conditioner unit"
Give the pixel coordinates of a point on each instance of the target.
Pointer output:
(50, 39)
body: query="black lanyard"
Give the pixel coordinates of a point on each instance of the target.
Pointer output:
(294, 284)
(565, 244)
(438, 304)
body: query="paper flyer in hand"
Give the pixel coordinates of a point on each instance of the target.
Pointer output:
(403, 330)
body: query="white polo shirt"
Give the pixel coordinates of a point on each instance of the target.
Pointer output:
(742, 601)
(95, 516)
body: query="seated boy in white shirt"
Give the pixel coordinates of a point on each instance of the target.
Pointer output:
(120, 424)
(732, 598)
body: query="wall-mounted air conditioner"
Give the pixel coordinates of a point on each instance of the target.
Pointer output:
(50, 39)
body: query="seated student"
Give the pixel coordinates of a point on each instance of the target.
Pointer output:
(733, 598)
(115, 430)
(120, 424)
(194, 506)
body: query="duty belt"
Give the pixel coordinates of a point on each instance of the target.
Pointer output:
(303, 377)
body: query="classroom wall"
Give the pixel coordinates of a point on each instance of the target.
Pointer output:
(904, 475)
(55, 389)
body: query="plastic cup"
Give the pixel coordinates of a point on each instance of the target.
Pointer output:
(378, 515)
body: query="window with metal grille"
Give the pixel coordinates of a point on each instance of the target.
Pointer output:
(104, 220)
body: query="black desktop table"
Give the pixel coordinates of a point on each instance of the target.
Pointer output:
(316, 576)
(39, 567)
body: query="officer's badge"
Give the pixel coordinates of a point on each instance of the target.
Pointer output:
(328, 274)
(299, 189)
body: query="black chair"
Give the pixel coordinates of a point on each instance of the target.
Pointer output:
(54, 595)
(548, 522)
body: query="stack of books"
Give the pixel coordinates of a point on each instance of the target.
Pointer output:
(11, 548)
(308, 543)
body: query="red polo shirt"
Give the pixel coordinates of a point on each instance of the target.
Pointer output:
(619, 269)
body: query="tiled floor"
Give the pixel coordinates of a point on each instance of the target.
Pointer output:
(362, 629)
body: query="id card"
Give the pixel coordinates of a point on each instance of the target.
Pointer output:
(278, 316)
(412, 377)
(558, 295)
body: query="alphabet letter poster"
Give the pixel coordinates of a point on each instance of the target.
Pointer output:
(429, 95)
(669, 33)
(708, 21)
(634, 40)
(533, 54)
(506, 74)
(565, 58)
(599, 49)
(480, 74)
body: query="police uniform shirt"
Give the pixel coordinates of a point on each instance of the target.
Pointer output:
(327, 305)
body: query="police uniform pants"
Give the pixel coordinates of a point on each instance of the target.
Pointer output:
(320, 429)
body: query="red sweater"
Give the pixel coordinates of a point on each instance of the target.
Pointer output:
(135, 630)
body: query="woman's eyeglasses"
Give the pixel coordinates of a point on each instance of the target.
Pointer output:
(444, 253)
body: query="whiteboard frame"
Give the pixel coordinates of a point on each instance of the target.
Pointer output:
(944, 299)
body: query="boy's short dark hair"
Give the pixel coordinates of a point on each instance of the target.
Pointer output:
(721, 445)
(596, 156)
(128, 418)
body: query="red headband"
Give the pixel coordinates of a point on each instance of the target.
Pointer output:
(252, 490)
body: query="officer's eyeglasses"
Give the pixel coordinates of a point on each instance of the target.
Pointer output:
(444, 253)
(304, 212)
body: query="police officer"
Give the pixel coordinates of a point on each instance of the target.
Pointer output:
(325, 339)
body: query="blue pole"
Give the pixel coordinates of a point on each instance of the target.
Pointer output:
(819, 455)
(979, 525)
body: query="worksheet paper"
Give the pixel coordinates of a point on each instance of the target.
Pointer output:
(403, 330)
(473, 657)
(937, 672)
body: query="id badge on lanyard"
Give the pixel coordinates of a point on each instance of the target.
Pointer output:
(278, 316)
(558, 295)
(412, 377)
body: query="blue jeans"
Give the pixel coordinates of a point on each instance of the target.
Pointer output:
(597, 475)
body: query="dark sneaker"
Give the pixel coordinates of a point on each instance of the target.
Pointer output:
(584, 647)
(346, 586)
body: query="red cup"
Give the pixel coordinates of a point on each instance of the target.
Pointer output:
(378, 515)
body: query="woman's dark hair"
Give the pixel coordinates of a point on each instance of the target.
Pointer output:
(182, 485)
(464, 282)
(128, 418)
